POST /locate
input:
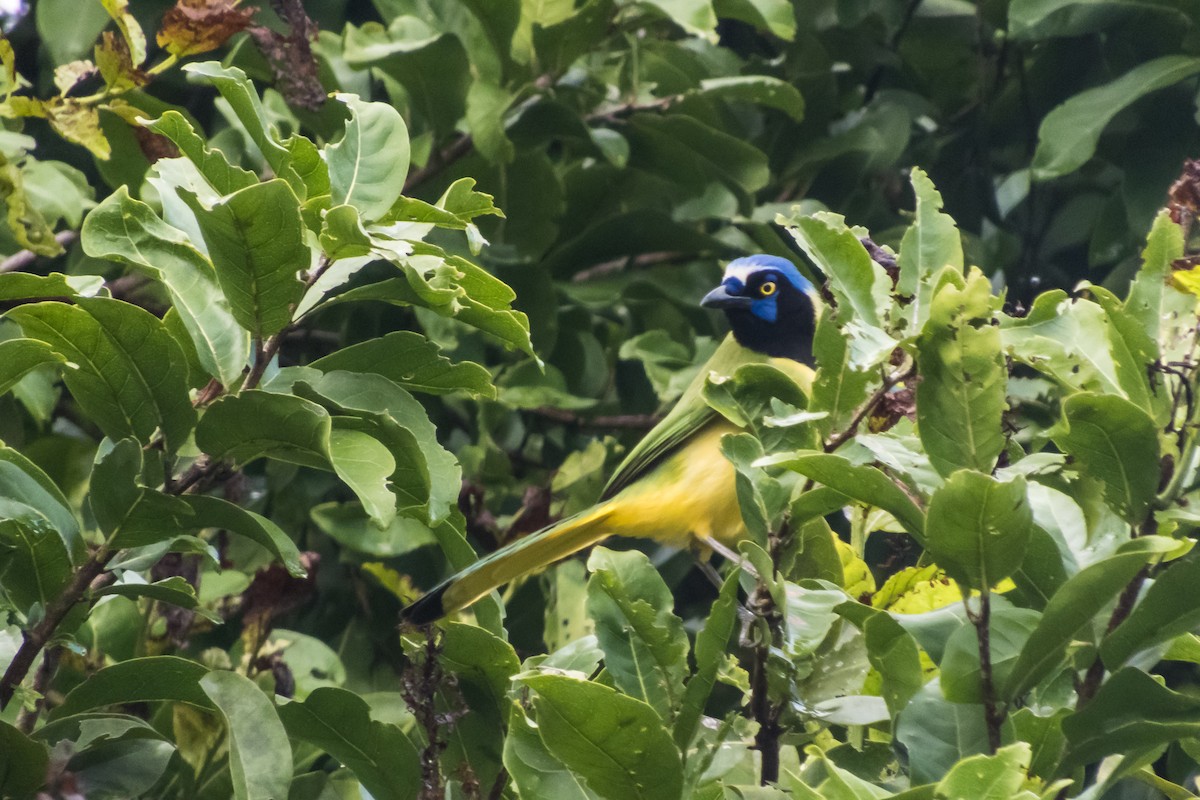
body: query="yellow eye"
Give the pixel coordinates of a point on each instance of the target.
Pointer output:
(767, 289)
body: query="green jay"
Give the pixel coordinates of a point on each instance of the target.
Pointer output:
(675, 486)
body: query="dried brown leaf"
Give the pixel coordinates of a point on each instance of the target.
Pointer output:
(198, 26)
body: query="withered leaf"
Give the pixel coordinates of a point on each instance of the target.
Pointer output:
(198, 26)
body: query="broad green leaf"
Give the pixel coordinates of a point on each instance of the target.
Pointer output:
(22, 763)
(212, 163)
(18, 357)
(128, 231)
(977, 528)
(425, 471)
(24, 286)
(342, 235)
(645, 647)
(1131, 350)
(865, 484)
(857, 281)
(1071, 608)
(260, 757)
(67, 29)
(615, 743)
(1043, 19)
(34, 563)
(486, 107)
(1068, 135)
(412, 361)
(999, 776)
(1008, 630)
(481, 659)
(838, 387)
(350, 526)
(130, 514)
(534, 771)
(1168, 608)
(365, 464)
(937, 734)
(1164, 244)
(174, 590)
(694, 16)
(1062, 339)
(129, 375)
(893, 653)
(23, 483)
(711, 646)
(255, 238)
(255, 423)
(138, 680)
(339, 722)
(368, 165)
(961, 396)
(560, 43)
(1131, 711)
(1115, 442)
(930, 244)
(762, 90)
(213, 512)
(237, 90)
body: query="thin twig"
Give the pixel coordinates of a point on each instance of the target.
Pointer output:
(631, 421)
(847, 433)
(993, 713)
(22, 259)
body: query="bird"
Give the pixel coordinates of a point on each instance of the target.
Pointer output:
(674, 486)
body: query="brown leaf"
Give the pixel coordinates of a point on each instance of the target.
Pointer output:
(79, 123)
(198, 26)
(116, 66)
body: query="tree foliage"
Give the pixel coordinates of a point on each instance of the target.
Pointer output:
(288, 335)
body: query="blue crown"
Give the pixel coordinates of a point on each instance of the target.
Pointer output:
(740, 267)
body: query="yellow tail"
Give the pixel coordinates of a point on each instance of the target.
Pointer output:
(531, 553)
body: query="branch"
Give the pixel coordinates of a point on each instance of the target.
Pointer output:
(18, 261)
(630, 421)
(843, 436)
(993, 714)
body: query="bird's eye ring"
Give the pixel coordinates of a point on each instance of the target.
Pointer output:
(767, 289)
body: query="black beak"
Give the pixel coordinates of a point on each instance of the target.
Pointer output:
(721, 298)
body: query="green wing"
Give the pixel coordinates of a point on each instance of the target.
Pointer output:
(689, 415)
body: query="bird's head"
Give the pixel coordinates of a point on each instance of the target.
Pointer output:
(771, 307)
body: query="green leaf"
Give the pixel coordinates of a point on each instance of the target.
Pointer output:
(1008, 630)
(368, 165)
(535, 772)
(929, 245)
(483, 660)
(365, 464)
(1068, 135)
(339, 722)
(349, 526)
(893, 653)
(213, 512)
(1130, 712)
(34, 563)
(23, 286)
(1069, 610)
(857, 281)
(412, 361)
(255, 424)
(486, 106)
(1164, 244)
(174, 590)
(128, 231)
(30, 490)
(615, 743)
(1170, 607)
(212, 163)
(138, 680)
(977, 528)
(255, 238)
(937, 733)
(996, 777)
(22, 763)
(1031, 20)
(865, 484)
(130, 514)
(645, 647)
(711, 645)
(762, 90)
(237, 90)
(694, 16)
(559, 43)
(129, 375)
(961, 396)
(18, 358)
(260, 757)
(1115, 442)
(838, 388)
(425, 471)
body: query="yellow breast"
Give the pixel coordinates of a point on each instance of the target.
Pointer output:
(690, 495)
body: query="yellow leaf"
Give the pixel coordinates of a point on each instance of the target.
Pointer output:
(28, 226)
(914, 590)
(80, 124)
(129, 27)
(71, 73)
(857, 578)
